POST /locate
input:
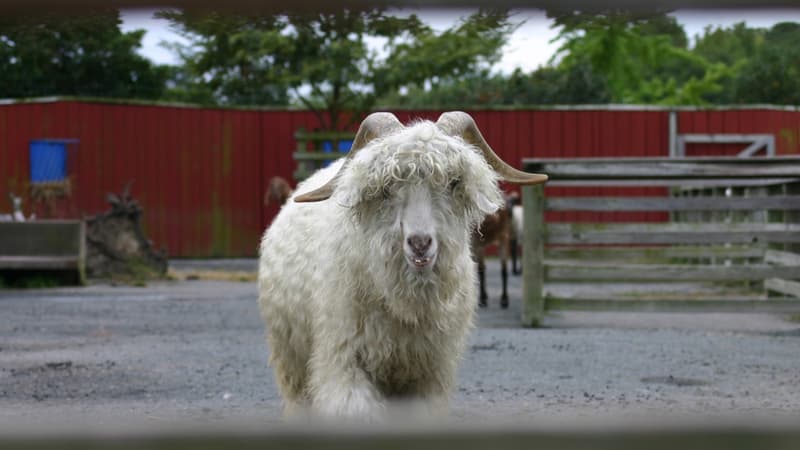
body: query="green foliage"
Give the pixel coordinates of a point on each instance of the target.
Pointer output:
(694, 91)
(645, 59)
(642, 55)
(84, 55)
(328, 62)
(230, 60)
(733, 47)
(729, 45)
(663, 25)
(772, 74)
(323, 60)
(545, 86)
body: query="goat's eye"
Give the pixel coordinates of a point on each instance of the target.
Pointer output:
(454, 183)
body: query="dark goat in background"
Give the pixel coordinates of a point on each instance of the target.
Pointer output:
(278, 191)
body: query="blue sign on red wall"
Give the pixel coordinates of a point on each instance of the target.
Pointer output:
(49, 159)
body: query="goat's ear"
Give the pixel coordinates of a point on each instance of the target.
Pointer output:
(348, 195)
(480, 184)
(485, 195)
(348, 187)
(485, 205)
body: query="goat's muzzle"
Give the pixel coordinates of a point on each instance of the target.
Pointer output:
(420, 251)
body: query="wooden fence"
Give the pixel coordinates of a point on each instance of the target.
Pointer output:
(739, 257)
(316, 149)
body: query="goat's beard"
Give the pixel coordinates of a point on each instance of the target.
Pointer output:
(411, 295)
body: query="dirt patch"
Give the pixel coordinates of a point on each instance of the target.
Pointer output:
(212, 275)
(675, 381)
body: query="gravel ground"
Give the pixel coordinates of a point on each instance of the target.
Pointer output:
(195, 351)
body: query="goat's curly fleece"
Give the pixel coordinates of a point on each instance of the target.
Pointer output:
(350, 325)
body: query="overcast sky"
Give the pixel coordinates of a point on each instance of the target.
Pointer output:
(528, 48)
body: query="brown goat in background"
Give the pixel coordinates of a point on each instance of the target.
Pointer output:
(278, 191)
(495, 229)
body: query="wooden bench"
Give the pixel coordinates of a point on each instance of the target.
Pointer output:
(52, 246)
(717, 246)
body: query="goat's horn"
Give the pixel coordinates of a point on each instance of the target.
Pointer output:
(458, 123)
(374, 126)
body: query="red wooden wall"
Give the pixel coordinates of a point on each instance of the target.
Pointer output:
(200, 173)
(782, 123)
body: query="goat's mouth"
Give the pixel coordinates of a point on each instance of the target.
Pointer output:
(420, 263)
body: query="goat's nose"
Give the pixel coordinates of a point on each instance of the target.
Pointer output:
(420, 243)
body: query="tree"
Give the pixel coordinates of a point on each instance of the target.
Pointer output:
(660, 24)
(772, 75)
(544, 86)
(84, 55)
(230, 60)
(732, 47)
(323, 62)
(642, 55)
(729, 45)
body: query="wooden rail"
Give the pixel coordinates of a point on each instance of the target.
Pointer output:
(678, 169)
(783, 260)
(310, 155)
(672, 203)
(712, 248)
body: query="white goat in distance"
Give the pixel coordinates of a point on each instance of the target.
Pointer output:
(366, 279)
(17, 215)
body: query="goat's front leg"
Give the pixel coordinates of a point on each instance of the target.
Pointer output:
(338, 386)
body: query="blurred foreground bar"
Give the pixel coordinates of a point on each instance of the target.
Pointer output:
(73, 6)
(595, 438)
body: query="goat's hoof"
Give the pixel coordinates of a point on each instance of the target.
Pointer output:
(504, 303)
(482, 303)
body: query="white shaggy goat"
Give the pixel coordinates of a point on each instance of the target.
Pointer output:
(369, 295)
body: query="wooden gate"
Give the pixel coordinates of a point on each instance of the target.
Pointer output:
(734, 257)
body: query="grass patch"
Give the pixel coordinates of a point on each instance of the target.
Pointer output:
(135, 273)
(25, 279)
(40, 281)
(794, 318)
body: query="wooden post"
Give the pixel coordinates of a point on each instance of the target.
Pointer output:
(303, 167)
(792, 216)
(533, 255)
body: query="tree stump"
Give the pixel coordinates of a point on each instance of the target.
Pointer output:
(117, 247)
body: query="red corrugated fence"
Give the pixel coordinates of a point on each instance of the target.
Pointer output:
(200, 173)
